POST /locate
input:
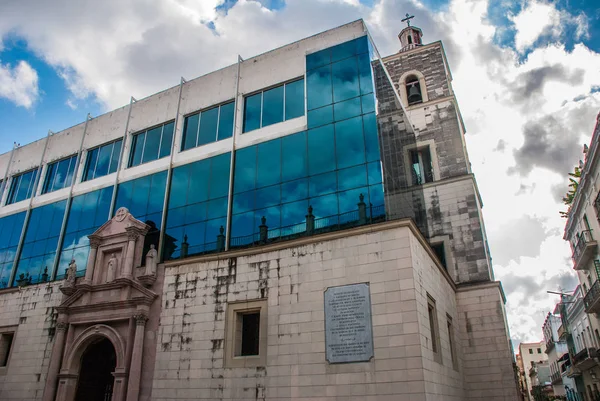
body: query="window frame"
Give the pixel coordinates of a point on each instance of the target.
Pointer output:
(12, 191)
(234, 309)
(13, 331)
(199, 113)
(48, 166)
(452, 341)
(404, 92)
(434, 330)
(145, 131)
(268, 88)
(419, 146)
(84, 177)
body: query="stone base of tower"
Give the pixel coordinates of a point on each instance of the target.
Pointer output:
(488, 362)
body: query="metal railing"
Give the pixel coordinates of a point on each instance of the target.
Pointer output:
(582, 240)
(556, 377)
(592, 296)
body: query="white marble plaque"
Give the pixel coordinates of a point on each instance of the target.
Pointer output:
(348, 326)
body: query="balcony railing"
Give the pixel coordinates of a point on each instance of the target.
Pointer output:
(584, 359)
(584, 249)
(592, 299)
(562, 332)
(556, 378)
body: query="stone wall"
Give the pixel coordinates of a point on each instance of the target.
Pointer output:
(292, 278)
(31, 309)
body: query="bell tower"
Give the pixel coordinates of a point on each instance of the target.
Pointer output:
(410, 37)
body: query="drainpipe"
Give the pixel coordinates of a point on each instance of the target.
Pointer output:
(114, 194)
(69, 202)
(163, 220)
(28, 214)
(232, 161)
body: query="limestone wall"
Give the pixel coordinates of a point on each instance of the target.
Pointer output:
(31, 310)
(293, 279)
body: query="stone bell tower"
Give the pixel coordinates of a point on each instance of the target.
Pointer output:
(100, 344)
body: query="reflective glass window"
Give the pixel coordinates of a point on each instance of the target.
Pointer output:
(59, 174)
(349, 142)
(151, 144)
(365, 72)
(371, 137)
(318, 59)
(293, 156)
(245, 169)
(319, 88)
(345, 79)
(22, 187)
(10, 233)
(274, 105)
(102, 160)
(320, 146)
(87, 213)
(38, 253)
(268, 171)
(208, 126)
(197, 207)
(320, 116)
(346, 109)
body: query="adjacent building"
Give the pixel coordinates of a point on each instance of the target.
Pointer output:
(557, 351)
(531, 354)
(301, 224)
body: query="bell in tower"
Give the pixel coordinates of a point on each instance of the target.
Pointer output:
(410, 37)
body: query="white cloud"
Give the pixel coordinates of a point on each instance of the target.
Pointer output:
(115, 49)
(19, 84)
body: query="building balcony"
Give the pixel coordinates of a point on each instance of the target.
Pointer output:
(549, 345)
(584, 249)
(556, 378)
(584, 359)
(563, 332)
(592, 299)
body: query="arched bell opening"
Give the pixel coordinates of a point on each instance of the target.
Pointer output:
(413, 90)
(96, 379)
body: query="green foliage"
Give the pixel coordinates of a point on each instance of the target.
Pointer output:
(570, 195)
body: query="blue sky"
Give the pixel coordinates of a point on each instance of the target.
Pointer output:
(526, 74)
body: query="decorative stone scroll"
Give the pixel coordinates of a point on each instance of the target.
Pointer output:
(348, 325)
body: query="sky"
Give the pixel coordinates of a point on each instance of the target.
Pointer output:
(526, 75)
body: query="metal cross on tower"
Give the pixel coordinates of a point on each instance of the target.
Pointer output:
(407, 19)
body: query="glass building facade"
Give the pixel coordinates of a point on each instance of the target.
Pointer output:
(326, 176)
(22, 187)
(59, 174)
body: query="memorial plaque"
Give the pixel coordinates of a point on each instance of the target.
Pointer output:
(348, 327)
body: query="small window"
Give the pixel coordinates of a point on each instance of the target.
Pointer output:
(421, 166)
(433, 329)
(102, 160)
(531, 350)
(440, 252)
(6, 341)
(539, 350)
(409, 39)
(413, 90)
(59, 174)
(152, 144)
(247, 333)
(274, 105)
(22, 187)
(208, 126)
(451, 341)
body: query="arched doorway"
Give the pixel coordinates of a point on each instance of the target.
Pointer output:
(95, 377)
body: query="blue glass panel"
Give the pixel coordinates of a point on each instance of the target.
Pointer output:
(352, 177)
(173, 240)
(376, 195)
(226, 121)
(374, 173)
(179, 186)
(213, 230)
(217, 208)
(368, 103)
(252, 106)
(319, 88)
(242, 226)
(166, 141)
(324, 206)
(371, 137)
(349, 141)
(102, 208)
(268, 196)
(70, 172)
(347, 109)
(195, 213)
(272, 106)
(90, 164)
(152, 144)
(124, 195)
(365, 72)
(157, 196)
(322, 184)
(318, 59)
(176, 217)
(208, 126)
(26, 182)
(116, 154)
(294, 190)
(320, 116)
(343, 50)
(61, 173)
(190, 132)
(243, 202)
(345, 79)
(272, 216)
(103, 164)
(320, 143)
(199, 177)
(245, 169)
(140, 195)
(138, 148)
(268, 171)
(362, 45)
(293, 158)
(294, 213)
(219, 175)
(50, 176)
(195, 237)
(294, 99)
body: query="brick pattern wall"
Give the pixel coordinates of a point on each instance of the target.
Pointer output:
(293, 280)
(32, 310)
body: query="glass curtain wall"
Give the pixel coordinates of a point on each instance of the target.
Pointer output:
(88, 212)
(208, 126)
(38, 253)
(151, 144)
(22, 187)
(10, 233)
(197, 207)
(59, 174)
(102, 160)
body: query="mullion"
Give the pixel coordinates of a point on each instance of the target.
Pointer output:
(198, 129)
(162, 128)
(218, 122)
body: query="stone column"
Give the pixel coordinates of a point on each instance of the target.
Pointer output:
(55, 362)
(135, 369)
(89, 271)
(132, 235)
